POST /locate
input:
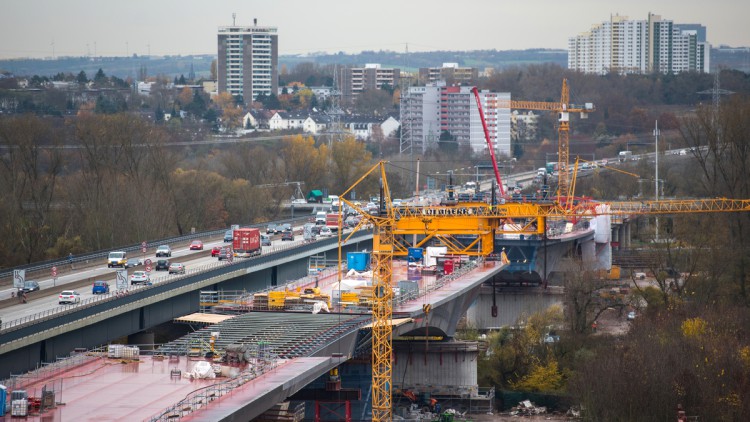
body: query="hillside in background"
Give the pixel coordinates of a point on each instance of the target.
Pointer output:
(174, 66)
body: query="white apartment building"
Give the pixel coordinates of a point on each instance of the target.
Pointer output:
(355, 80)
(427, 111)
(625, 46)
(247, 62)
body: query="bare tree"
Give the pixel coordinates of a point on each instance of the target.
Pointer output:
(720, 142)
(30, 172)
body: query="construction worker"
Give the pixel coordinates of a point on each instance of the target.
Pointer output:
(593, 326)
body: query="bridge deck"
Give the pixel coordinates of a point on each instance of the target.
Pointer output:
(111, 390)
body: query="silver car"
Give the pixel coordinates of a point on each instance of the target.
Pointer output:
(164, 250)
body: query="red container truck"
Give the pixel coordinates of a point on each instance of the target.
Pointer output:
(332, 221)
(246, 242)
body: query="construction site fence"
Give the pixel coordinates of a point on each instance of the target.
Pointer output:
(45, 370)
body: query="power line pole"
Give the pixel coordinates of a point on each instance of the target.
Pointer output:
(656, 180)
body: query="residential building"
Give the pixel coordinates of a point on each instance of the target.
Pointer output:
(247, 61)
(355, 80)
(362, 127)
(282, 120)
(449, 72)
(622, 45)
(427, 111)
(523, 126)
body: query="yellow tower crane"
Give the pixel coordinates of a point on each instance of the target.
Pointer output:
(563, 108)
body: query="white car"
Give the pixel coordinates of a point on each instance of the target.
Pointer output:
(139, 277)
(325, 232)
(69, 296)
(631, 315)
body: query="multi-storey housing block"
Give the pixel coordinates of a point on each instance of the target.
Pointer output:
(247, 62)
(622, 45)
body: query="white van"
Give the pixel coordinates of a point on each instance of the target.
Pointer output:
(625, 155)
(320, 218)
(541, 171)
(117, 259)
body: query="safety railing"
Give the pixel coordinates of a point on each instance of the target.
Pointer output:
(261, 364)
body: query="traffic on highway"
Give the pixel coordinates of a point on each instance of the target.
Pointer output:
(96, 280)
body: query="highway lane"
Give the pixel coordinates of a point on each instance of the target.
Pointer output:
(46, 300)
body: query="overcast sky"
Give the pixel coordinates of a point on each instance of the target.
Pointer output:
(34, 28)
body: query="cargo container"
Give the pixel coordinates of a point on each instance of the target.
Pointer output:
(246, 242)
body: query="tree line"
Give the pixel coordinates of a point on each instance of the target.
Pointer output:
(99, 181)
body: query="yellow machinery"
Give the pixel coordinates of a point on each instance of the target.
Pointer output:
(392, 226)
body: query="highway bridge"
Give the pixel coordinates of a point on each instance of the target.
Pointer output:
(41, 331)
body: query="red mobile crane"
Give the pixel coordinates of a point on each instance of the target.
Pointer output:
(491, 147)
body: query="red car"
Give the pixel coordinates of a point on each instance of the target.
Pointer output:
(196, 245)
(215, 251)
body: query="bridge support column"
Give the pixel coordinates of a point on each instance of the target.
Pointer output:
(626, 234)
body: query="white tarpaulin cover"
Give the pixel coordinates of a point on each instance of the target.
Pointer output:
(202, 370)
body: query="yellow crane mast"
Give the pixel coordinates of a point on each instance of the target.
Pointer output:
(382, 308)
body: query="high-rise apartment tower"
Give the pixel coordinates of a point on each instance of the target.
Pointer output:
(248, 58)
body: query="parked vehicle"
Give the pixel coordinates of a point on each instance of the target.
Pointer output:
(246, 242)
(332, 221)
(69, 296)
(228, 235)
(631, 315)
(215, 251)
(117, 259)
(196, 245)
(100, 287)
(29, 286)
(139, 277)
(287, 235)
(176, 268)
(164, 250)
(162, 265)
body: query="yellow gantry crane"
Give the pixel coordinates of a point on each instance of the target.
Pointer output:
(392, 228)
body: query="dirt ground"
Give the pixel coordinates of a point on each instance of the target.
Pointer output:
(613, 322)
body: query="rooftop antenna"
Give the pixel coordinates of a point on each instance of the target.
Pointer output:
(234, 19)
(255, 21)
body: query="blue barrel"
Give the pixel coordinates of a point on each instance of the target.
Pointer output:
(415, 254)
(358, 261)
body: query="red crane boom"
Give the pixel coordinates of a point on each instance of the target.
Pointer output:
(489, 143)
